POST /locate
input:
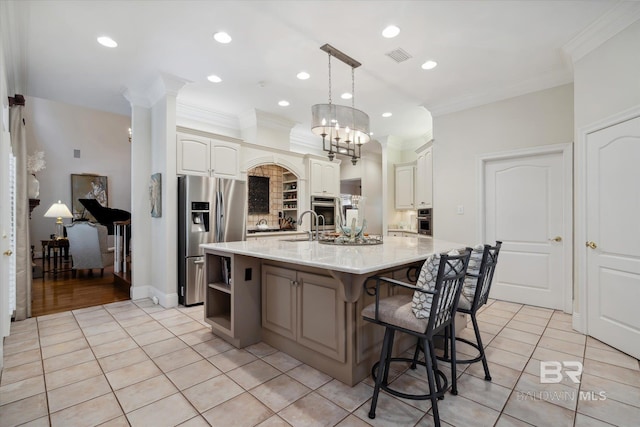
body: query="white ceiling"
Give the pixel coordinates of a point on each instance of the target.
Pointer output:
(486, 50)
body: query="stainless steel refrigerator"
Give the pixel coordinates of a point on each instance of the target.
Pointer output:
(209, 210)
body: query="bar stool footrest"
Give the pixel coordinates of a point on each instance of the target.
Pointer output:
(439, 392)
(472, 344)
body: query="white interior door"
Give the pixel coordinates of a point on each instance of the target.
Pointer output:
(613, 235)
(527, 206)
(7, 258)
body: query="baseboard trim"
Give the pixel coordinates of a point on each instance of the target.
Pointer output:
(165, 300)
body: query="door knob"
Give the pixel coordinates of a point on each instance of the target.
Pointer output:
(557, 239)
(591, 245)
(8, 252)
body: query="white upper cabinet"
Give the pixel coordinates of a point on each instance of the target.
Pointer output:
(193, 155)
(324, 178)
(198, 155)
(225, 159)
(424, 179)
(405, 189)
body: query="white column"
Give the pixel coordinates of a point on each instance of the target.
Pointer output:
(141, 248)
(159, 235)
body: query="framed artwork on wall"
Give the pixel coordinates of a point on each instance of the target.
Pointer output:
(155, 195)
(88, 186)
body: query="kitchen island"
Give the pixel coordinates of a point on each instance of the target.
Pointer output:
(305, 298)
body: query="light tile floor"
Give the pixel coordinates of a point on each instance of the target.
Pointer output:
(135, 363)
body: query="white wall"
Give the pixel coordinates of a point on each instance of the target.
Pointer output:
(371, 186)
(369, 171)
(539, 118)
(103, 141)
(607, 80)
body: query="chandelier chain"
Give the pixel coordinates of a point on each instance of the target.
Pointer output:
(353, 87)
(329, 78)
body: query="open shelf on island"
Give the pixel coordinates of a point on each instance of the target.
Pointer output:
(224, 287)
(232, 297)
(223, 321)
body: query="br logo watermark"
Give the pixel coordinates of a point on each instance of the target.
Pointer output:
(551, 372)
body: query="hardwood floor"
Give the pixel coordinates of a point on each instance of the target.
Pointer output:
(49, 295)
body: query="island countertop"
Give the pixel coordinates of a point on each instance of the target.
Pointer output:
(393, 252)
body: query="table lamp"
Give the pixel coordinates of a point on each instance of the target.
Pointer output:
(58, 210)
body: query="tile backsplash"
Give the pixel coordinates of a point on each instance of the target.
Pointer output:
(274, 173)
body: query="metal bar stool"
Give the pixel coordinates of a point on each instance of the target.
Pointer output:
(474, 295)
(431, 310)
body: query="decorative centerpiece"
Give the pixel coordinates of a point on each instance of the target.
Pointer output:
(353, 234)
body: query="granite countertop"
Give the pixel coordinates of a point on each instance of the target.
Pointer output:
(273, 232)
(404, 230)
(393, 252)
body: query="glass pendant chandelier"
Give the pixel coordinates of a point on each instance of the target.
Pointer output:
(343, 129)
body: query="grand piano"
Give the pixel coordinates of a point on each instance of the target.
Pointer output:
(103, 215)
(107, 217)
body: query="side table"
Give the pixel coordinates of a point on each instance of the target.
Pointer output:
(60, 249)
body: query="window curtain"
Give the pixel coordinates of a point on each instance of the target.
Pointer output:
(23, 246)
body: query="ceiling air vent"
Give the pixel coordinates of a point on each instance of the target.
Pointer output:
(399, 55)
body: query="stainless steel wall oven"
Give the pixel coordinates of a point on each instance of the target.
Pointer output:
(425, 223)
(325, 206)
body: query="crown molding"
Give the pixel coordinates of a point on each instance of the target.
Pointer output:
(263, 119)
(542, 82)
(206, 116)
(608, 25)
(164, 85)
(136, 99)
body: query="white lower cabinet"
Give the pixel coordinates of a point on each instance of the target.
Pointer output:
(305, 308)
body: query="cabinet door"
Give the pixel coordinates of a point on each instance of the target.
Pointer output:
(321, 315)
(424, 180)
(193, 155)
(279, 301)
(324, 178)
(225, 159)
(404, 187)
(330, 179)
(315, 176)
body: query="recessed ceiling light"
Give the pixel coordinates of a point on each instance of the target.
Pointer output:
(387, 114)
(346, 95)
(429, 65)
(222, 37)
(283, 103)
(390, 32)
(214, 79)
(370, 133)
(107, 41)
(303, 75)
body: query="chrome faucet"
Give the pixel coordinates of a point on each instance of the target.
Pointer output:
(324, 224)
(315, 215)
